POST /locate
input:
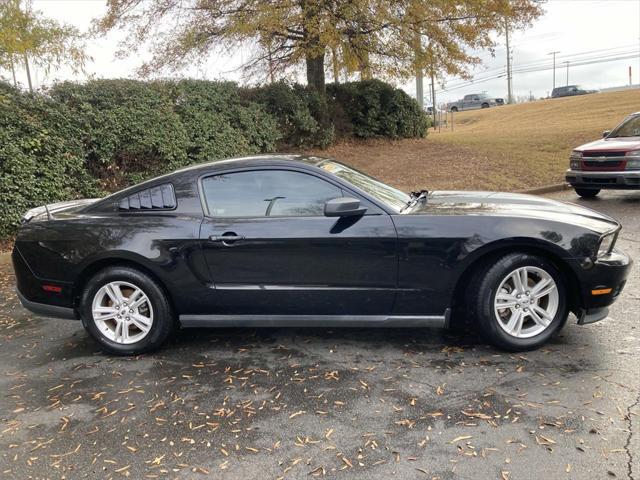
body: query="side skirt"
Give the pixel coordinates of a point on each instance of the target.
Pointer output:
(435, 321)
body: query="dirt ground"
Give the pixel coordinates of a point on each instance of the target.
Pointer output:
(416, 164)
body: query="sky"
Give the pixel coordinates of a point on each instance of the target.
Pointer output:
(580, 30)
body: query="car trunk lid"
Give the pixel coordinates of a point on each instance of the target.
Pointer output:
(48, 211)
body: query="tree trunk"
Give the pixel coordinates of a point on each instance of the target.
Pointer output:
(26, 67)
(315, 72)
(365, 67)
(336, 66)
(13, 71)
(271, 76)
(315, 52)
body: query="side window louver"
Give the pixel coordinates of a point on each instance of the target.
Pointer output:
(161, 197)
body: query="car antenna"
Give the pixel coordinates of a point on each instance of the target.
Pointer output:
(48, 212)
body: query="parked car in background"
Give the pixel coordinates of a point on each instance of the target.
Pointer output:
(429, 110)
(472, 102)
(569, 91)
(499, 101)
(610, 163)
(283, 240)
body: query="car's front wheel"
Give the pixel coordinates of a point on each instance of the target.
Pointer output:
(519, 301)
(587, 192)
(126, 311)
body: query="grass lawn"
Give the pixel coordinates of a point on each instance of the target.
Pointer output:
(513, 147)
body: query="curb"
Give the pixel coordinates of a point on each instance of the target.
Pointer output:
(558, 187)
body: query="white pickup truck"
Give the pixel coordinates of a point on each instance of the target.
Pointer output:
(471, 102)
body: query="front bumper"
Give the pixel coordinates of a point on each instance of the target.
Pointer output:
(624, 180)
(608, 272)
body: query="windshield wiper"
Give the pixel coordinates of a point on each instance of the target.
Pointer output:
(415, 197)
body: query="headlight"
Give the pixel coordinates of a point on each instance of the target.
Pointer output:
(633, 164)
(633, 154)
(607, 242)
(575, 160)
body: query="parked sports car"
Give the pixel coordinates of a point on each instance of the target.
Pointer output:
(307, 241)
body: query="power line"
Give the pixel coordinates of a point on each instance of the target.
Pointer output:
(570, 56)
(540, 68)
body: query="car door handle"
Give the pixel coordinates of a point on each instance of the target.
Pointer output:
(227, 238)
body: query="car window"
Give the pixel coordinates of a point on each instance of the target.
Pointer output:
(392, 197)
(629, 128)
(267, 193)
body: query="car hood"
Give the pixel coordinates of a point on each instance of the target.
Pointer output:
(512, 205)
(618, 144)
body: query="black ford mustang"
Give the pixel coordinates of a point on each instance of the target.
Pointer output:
(294, 240)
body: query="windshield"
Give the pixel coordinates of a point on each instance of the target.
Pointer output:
(392, 197)
(629, 128)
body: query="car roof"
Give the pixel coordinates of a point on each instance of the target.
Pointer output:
(241, 162)
(255, 160)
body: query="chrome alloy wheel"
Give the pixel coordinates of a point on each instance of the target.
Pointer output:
(122, 312)
(526, 302)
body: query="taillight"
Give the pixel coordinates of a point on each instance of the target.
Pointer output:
(51, 288)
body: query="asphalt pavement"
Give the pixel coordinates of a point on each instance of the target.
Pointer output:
(334, 403)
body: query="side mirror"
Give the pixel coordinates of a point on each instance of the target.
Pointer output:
(606, 133)
(343, 207)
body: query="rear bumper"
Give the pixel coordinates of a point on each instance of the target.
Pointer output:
(609, 272)
(45, 310)
(33, 296)
(625, 180)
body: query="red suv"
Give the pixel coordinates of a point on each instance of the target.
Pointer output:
(613, 162)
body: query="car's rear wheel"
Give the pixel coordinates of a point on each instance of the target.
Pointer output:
(126, 311)
(519, 301)
(485, 105)
(587, 192)
(454, 109)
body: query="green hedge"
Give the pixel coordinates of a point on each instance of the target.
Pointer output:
(372, 108)
(41, 156)
(138, 129)
(297, 109)
(80, 140)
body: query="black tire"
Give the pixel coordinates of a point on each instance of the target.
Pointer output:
(481, 297)
(484, 105)
(163, 319)
(454, 109)
(587, 192)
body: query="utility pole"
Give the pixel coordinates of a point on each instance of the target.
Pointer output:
(433, 97)
(419, 71)
(567, 62)
(419, 88)
(554, 66)
(509, 90)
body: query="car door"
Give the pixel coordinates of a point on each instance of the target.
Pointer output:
(271, 250)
